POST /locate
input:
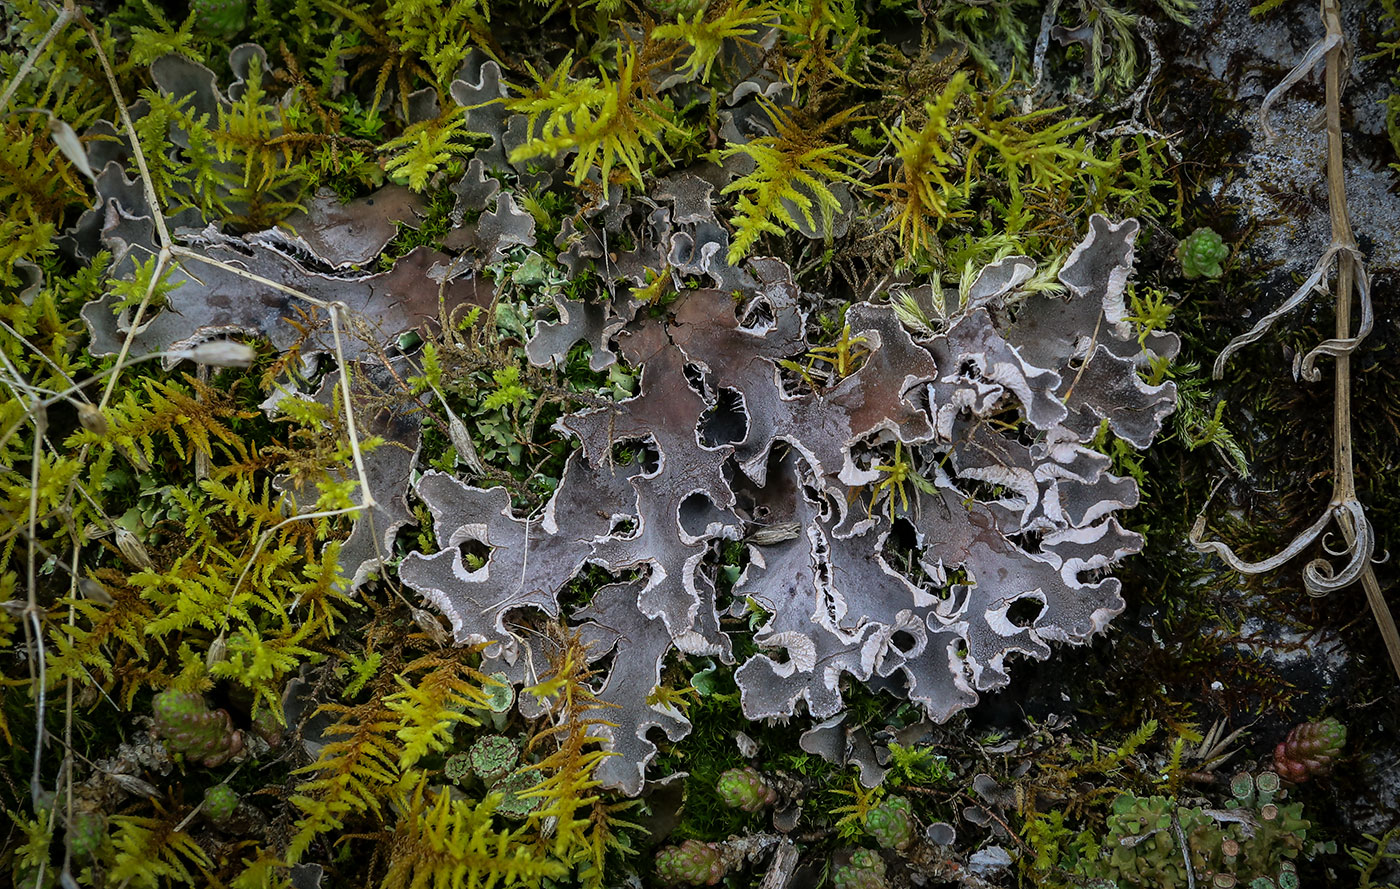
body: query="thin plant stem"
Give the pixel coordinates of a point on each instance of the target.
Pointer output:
(1346, 272)
(31, 613)
(334, 309)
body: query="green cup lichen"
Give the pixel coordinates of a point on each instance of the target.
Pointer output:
(457, 767)
(513, 804)
(492, 756)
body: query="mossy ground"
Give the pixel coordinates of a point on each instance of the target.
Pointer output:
(1197, 645)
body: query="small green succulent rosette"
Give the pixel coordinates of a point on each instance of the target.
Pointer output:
(220, 802)
(1201, 254)
(692, 863)
(865, 870)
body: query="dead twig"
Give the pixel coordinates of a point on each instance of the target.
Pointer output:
(1344, 508)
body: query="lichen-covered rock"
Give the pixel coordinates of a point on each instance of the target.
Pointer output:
(1310, 750)
(492, 756)
(745, 789)
(220, 802)
(1201, 253)
(865, 870)
(891, 823)
(692, 863)
(86, 832)
(187, 724)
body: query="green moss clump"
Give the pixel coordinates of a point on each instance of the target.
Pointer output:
(1310, 750)
(220, 18)
(86, 833)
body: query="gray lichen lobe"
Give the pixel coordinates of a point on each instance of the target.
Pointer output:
(1028, 557)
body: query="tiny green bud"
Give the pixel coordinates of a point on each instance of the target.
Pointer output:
(1201, 253)
(220, 802)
